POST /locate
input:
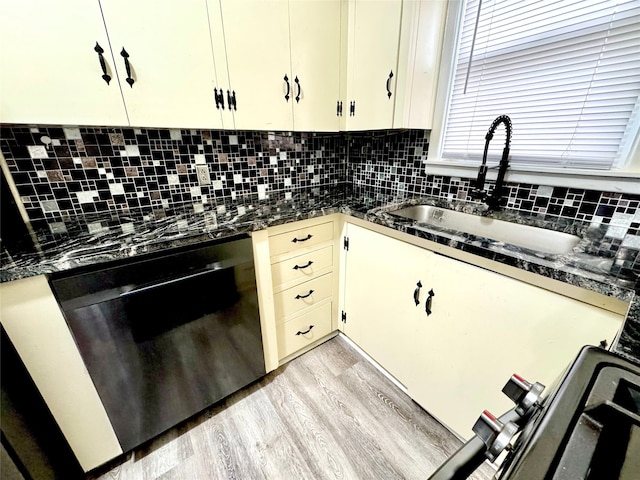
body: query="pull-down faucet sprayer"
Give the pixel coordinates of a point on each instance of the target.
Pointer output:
(493, 200)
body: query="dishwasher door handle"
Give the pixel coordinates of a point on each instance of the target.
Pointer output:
(147, 288)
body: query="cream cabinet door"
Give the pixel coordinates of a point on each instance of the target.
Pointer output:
(374, 32)
(315, 58)
(170, 60)
(483, 328)
(256, 34)
(380, 281)
(421, 37)
(50, 72)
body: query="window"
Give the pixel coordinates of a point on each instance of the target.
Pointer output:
(567, 72)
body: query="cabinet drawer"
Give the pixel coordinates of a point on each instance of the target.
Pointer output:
(302, 267)
(316, 323)
(302, 296)
(300, 238)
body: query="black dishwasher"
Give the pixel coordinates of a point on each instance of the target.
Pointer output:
(166, 336)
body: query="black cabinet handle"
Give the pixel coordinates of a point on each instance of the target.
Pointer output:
(296, 240)
(300, 267)
(125, 55)
(352, 108)
(305, 332)
(299, 297)
(428, 302)
(98, 49)
(299, 89)
(232, 100)
(416, 293)
(388, 82)
(286, 95)
(219, 98)
(338, 108)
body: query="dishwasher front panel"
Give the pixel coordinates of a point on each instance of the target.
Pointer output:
(160, 351)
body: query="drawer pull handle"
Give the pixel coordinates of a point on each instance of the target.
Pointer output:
(298, 297)
(296, 240)
(299, 267)
(305, 332)
(427, 308)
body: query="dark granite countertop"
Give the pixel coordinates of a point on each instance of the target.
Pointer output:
(99, 238)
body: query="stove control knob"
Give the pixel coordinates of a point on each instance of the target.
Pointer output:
(495, 434)
(524, 394)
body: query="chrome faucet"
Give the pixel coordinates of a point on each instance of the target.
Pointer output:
(493, 200)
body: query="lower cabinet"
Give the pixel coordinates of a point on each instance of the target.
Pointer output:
(36, 327)
(302, 286)
(482, 326)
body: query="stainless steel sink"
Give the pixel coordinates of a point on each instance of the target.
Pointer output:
(525, 236)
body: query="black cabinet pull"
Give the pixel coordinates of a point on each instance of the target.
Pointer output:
(306, 331)
(388, 82)
(416, 293)
(296, 240)
(352, 108)
(428, 302)
(231, 97)
(286, 95)
(299, 267)
(299, 89)
(219, 98)
(299, 297)
(98, 49)
(125, 55)
(339, 108)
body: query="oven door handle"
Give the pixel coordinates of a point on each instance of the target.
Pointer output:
(147, 288)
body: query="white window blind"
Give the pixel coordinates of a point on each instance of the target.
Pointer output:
(567, 72)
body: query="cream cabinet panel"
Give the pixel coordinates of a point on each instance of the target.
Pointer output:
(256, 34)
(170, 62)
(35, 325)
(421, 37)
(300, 238)
(50, 72)
(380, 279)
(483, 328)
(301, 331)
(315, 60)
(374, 32)
(302, 267)
(303, 296)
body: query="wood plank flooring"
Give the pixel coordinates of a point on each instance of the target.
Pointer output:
(328, 414)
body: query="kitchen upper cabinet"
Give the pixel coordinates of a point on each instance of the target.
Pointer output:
(284, 63)
(51, 72)
(256, 34)
(372, 65)
(419, 54)
(164, 62)
(315, 28)
(147, 64)
(482, 326)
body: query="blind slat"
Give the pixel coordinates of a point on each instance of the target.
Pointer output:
(567, 72)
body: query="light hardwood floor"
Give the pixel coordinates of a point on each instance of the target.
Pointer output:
(327, 414)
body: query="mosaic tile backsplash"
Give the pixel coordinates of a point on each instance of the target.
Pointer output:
(64, 172)
(393, 164)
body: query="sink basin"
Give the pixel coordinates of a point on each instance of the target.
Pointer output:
(525, 236)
